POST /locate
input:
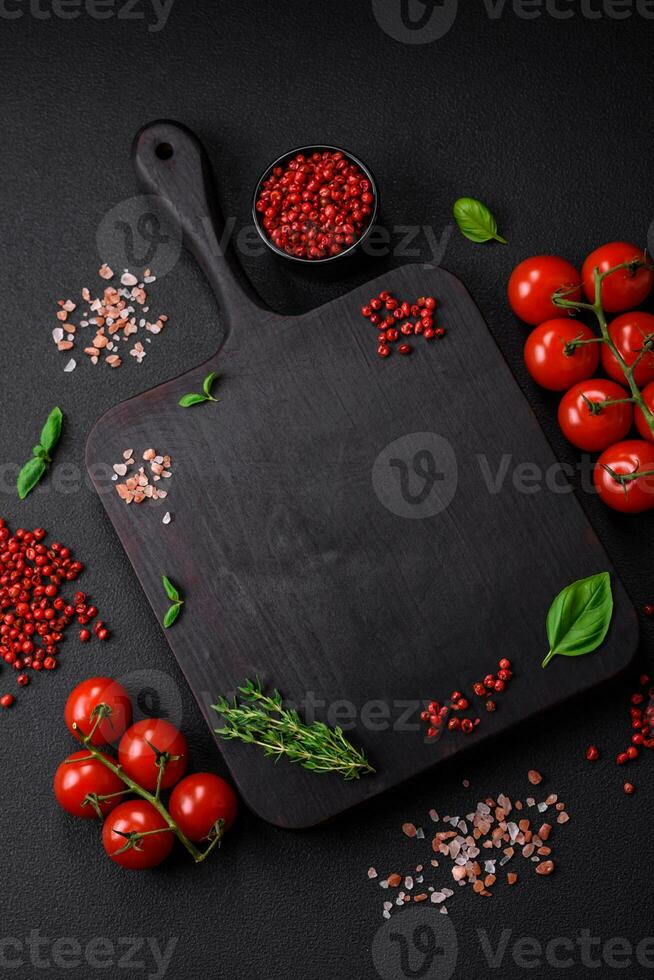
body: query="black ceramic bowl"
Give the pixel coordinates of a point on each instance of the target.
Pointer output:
(283, 161)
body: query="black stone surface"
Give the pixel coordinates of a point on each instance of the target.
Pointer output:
(548, 121)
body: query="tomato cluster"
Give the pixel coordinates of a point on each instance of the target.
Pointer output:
(596, 414)
(138, 831)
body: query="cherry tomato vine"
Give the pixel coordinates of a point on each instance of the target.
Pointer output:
(152, 757)
(561, 299)
(595, 413)
(628, 370)
(133, 838)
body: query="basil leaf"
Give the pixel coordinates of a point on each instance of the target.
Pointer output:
(171, 615)
(29, 476)
(208, 383)
(579, 618)
(192, 399)
(475, 221)
(171, 591)
(52, 430)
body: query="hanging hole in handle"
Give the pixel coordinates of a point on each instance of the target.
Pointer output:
(164, 151)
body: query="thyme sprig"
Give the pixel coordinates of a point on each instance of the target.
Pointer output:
(263, 719)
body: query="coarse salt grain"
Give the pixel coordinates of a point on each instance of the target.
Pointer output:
(489, 829)
(116, 313)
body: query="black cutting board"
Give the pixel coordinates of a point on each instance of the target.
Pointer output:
(361, 533)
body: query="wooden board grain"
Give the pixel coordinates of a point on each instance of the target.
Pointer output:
(360, 533)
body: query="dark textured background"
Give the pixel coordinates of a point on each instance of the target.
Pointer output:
(547, 121)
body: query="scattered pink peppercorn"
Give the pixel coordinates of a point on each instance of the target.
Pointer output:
(398, 322)
(459, 702)
(34, 615)
(592, 753)
(6, 700)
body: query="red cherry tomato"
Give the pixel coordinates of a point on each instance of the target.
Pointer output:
(77, 777)
(137, 817)
(137, 752)
(640, 420)
(623, 459)
(548, 359)
(628, 332)
(84, 699)
(621, 290)
(533, 283)
(594, 429)
(199, 801)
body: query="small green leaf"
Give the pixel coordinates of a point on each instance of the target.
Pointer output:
(192, 399)
(171, 591)
(475, 221)
(39, 452)
(52, 430)
(171, 615)
(29, 476)
(579, 618)
(207, 384)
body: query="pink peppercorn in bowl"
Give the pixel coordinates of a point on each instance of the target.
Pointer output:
(315, 204)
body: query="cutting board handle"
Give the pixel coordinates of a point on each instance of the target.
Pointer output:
(171, 163)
